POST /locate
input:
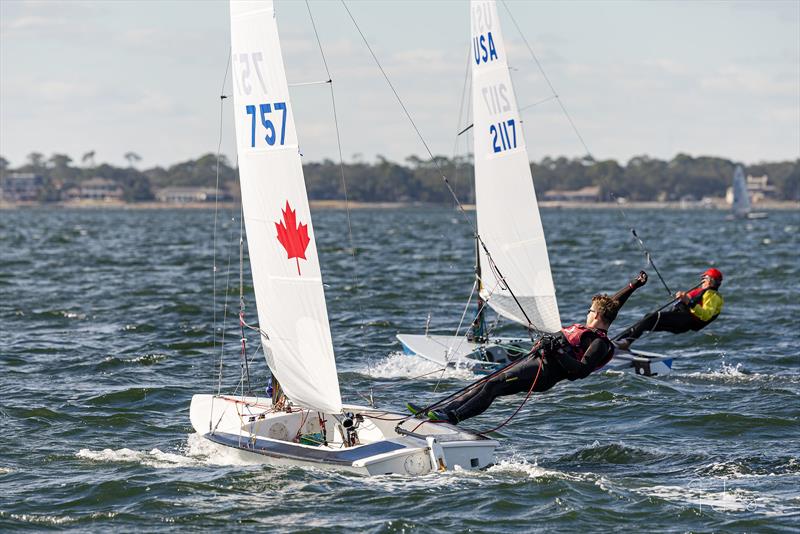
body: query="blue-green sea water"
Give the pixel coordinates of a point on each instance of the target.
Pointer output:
(106, 320)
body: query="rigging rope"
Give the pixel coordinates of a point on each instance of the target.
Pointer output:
(480, 383)
(455, 181)
(436, 163)
(225, 313)
(546, 79)
(527, 396)
(245, 368)
(301, 84)
(555, 96)
(648, 255)
(344, 180)
(222, 98)
(466, 389)
(461, 107)
(458, 329)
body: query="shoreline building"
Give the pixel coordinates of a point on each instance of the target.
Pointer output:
(188, 195)
(22, 187)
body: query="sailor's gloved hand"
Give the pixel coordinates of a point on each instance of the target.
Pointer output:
(547, 344)
(640, 280)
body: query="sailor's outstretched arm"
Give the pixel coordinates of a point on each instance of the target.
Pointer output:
(623, 294)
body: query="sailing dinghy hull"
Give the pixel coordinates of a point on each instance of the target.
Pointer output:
(458, 352)
(485, 357)
(250, 429)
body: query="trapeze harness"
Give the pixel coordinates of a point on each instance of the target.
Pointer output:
(573, 335)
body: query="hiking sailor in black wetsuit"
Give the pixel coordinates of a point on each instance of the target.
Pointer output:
(573, 353)
(695, 310)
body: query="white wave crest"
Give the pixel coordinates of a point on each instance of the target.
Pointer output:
(726, 372)
(719, 495)
(400, 365)
(196, 452)
(40, 519)
(144, 358)
(515, 466)
(203, 451)
(154, 458)
(738, 469)
(730, 373)
(44, 519)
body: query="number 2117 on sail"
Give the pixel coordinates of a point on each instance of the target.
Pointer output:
(263, 112)
(504, 135)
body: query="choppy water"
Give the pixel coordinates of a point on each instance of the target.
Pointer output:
(106, 319)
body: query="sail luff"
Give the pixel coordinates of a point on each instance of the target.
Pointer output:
(509, 222)
(280, 236)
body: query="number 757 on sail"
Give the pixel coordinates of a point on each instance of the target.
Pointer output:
(267, 131)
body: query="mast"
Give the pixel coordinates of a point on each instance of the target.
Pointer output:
(477, 332)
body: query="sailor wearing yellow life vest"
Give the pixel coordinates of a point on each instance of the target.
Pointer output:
(695, 310)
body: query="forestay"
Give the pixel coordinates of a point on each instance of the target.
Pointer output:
(280, 236)
(508, 214)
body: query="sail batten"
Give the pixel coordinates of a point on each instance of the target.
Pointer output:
(508, 213)
(280, 236)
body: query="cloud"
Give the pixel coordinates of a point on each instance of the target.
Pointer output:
(149, 102)
(142, 37)
(737, 79)
(667, 66)
(30, 23)
(62, 91)
(41, 18)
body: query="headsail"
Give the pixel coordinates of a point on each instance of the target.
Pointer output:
(508, 214)
(741, 198)
(280, 237)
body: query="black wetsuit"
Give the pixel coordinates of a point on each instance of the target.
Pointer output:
(519, 375)
(674, 321)
(678, 320)
(556, 365)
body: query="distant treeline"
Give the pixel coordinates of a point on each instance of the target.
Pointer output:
(418, 180)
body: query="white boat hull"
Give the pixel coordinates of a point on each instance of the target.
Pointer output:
(486, 357)
(458, 352)
(389, 443)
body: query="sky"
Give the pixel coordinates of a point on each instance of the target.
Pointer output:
(637, 78)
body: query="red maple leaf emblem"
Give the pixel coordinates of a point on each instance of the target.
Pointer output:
(293, 238)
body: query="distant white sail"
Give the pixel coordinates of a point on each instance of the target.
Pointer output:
(741, 197)
(280, 236)
(508, 214)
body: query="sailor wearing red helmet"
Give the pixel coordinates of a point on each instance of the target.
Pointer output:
(696, 309)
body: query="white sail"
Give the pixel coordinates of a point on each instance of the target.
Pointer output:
(508, 214)
(280, 236)
(741, 198)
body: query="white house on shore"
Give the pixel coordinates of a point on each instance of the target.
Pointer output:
(758, 188)
(585, 194)
(22, 186)
(99, 188)
(186, 195)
